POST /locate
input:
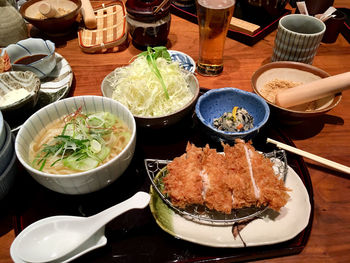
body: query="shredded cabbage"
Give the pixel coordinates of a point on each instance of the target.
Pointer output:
(138, 88)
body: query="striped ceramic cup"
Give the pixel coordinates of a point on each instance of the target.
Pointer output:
(297, 39)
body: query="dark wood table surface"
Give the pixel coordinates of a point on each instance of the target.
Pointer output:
(326, 136)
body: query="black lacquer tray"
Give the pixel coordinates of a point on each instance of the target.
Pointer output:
(267, 22)
(135, 236)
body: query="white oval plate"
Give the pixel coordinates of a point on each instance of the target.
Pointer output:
(270, 229)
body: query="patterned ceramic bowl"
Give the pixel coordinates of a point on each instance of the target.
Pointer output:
(18, 92)
(33, 54)
(184, 60)
(81, 182)
(216, 102)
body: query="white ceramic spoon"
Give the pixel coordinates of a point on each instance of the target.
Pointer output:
(95, 241)
(54, 238)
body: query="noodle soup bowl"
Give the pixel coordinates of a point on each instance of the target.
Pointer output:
(80, 182)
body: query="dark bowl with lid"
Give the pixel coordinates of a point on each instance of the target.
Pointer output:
(148, 25)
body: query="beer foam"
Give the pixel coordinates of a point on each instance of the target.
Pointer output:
(216, 4)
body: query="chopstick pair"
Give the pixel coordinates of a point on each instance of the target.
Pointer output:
(311, 156)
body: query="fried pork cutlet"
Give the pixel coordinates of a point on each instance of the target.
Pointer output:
(216, 193)
(241, 177)
(185, 181)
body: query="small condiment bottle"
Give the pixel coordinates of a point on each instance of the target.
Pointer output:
(148, 25)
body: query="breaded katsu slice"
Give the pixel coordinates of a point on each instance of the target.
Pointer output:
(272, 191)
(217, 195)
(239, 178)
(184, 183)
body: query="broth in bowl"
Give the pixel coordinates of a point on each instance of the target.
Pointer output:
(78, 142)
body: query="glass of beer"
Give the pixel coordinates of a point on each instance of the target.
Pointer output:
(214, 17)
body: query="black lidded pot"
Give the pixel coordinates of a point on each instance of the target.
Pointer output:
(146, 27)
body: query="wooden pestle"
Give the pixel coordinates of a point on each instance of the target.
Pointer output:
(313, 90)
(47, 10)
(88, 14)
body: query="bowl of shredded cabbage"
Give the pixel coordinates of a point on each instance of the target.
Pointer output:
(156, 89)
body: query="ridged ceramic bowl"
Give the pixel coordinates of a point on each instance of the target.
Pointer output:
(55, 26)
(31, 47)
(296, 72)
(214, 103)
(19, 92)
(82, 182)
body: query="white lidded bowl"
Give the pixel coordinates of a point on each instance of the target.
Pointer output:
(83, 182)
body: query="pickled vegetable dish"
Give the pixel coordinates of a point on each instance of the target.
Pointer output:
(238, 120)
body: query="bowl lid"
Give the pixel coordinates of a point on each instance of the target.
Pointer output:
(141, 8)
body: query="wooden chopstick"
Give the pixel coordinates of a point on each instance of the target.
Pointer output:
(311, 156)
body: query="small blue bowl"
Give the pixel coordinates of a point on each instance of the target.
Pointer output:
(216, 102)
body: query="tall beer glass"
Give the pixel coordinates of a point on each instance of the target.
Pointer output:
(214, 17)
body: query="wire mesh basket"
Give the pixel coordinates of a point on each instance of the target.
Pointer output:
(111, 31)
(156, 170)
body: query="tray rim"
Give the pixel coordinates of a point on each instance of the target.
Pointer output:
(290, 247)
(236, 35)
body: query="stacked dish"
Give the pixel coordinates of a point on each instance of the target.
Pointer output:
(8, 166)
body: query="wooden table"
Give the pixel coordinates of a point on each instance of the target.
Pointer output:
(327, 136)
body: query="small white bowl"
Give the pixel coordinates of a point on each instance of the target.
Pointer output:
(83, 182)
(31, 47)
(13, 82)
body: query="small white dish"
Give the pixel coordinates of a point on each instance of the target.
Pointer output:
(26, 50)
(54, 87)
(19, 92)
(185, 60)
(291, 220)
